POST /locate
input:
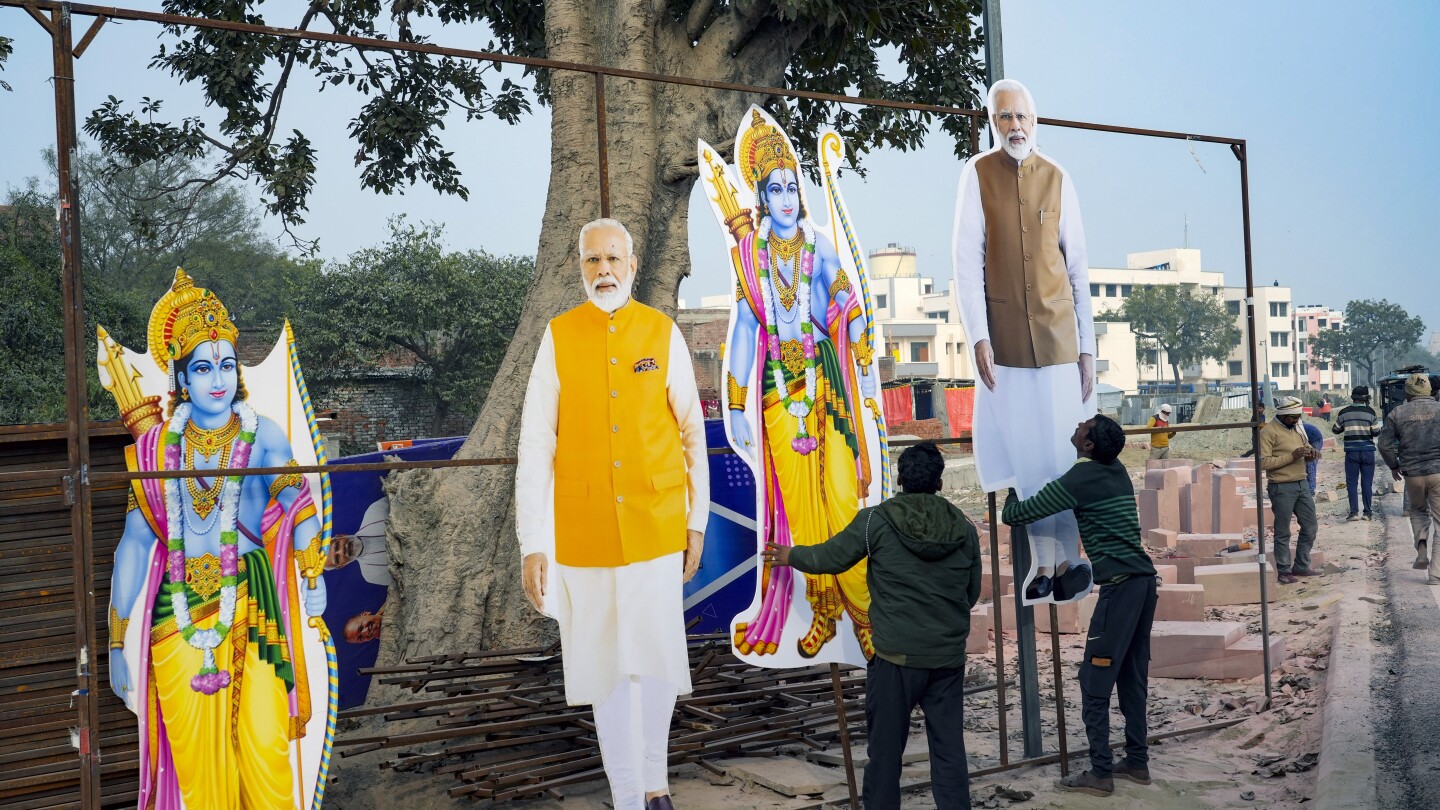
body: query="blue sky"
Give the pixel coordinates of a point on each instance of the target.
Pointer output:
(1339, 103)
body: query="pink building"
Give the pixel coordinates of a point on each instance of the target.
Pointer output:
(1318, 375)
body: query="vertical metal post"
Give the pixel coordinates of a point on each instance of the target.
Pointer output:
(999, 618)
(1255, 398)
(77, 410)
(994, 42)
(850, 781)
(1059, 689)
(1027, 663)
(602, 151)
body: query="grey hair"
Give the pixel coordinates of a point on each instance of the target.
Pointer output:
(605, 222)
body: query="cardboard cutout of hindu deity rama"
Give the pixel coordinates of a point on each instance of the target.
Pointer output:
(800, 390)
(216, 640)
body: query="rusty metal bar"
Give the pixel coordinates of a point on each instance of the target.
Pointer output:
(1255, 399)
(845, 737)
(601, 149)
(34, 12)
(999, 623)
(1059, 689)
(117, 13)
(77, 442)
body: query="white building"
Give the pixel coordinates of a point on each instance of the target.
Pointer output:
(918, 325)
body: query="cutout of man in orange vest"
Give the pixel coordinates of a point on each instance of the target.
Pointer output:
(612, 481)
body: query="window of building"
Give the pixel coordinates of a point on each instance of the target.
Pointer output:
(1279, 369)
(1322, 365)
(1280, 339)
(1126, 289)
(929, 287)
(880, 301)
(1335, 325)
(1279, 309)
(947, 348)
(1151, 357)
(1322, 324)
(919, 352)
(1109, 290)
(1094, 290)
(1233, 307)
(1301, 347)
(1237, 368)
(1324, 386)
(1302, 368)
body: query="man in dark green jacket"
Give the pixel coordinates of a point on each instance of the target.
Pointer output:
(924, 576)
(1117, 646)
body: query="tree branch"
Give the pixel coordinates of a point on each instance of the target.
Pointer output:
(696, 18)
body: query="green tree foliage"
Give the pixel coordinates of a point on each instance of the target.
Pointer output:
(1190, 328)
(410, 305)
(830, 46)
(1372, 331)
(133, 235)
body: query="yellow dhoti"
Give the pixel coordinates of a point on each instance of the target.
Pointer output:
(231, 749)
(820, 494)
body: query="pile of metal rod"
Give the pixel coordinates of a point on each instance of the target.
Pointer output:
(504, 732)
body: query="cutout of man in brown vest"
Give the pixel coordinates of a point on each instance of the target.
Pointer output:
(1023, 286)
(612, 481)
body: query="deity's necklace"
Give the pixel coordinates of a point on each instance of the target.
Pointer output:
(798, 407)
(211, 678)
(207, 443)
(787, 250)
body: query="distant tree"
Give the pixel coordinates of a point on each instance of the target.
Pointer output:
(1189, 328)
(449, 315)
(1371, 332)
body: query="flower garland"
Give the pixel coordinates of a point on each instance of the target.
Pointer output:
(803, 443)
(211, 678)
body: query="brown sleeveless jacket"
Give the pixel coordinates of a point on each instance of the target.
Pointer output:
(1028, 300)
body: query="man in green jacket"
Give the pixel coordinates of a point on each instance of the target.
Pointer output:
(1117, 644)
(924, 576)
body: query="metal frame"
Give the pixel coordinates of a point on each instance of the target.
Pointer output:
(78, 478)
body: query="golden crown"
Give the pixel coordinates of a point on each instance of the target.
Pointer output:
(763, 149)
(185, 317)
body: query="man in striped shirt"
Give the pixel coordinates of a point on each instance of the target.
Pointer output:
(1117, 647)
(1360, 426)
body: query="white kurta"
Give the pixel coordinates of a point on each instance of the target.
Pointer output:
(374, 560)
(614, 622)
(1022, 429)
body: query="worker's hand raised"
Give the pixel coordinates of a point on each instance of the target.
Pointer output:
(985, 363)
(537, 567)
(1087, 377)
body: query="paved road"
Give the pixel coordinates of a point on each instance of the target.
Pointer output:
(1406, 678)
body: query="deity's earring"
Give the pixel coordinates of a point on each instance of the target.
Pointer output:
(185, 394)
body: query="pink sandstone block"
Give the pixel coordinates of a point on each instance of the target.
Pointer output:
(1167, 573)
(1072, 617)
(987, 583)
(1234, 584)
(1205, 545)
(1184, 569)
(1227, 517)
(1160, 538)
(980, 626)
(1248, 520)
(1243, 659)
(1180, 603)
(1180, 642)
(1165, 478)
(1159, 509)
(1198, 500)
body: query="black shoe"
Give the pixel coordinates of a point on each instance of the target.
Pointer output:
(1304, 573)
(659, 803)
(1039, 588)
(1087, 782)
(1073, 582)
(1135, 773)
(1286, 579)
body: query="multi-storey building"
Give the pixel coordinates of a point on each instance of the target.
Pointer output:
(1313, 374)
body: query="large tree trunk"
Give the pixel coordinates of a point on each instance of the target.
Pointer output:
(452, 532)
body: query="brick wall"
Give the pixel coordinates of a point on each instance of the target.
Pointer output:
(920, 428)
(385, 407)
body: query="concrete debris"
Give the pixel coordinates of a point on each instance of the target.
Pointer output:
(1373, 599)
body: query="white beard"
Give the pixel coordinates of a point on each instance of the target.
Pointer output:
(1019, 152)
(611, 301)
